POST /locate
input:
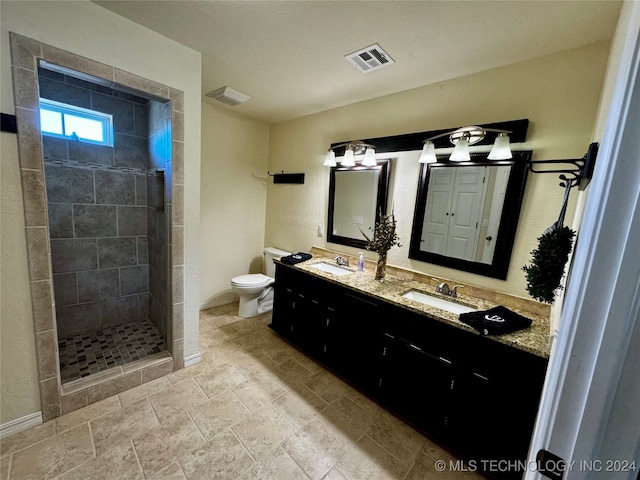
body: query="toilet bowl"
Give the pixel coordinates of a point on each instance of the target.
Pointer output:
(255, 290)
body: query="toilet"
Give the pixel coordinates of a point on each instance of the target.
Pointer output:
(255, 290)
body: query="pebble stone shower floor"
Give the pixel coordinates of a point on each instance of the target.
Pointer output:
(83, 355)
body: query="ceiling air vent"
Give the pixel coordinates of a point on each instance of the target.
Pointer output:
(370, 58)
(229, 96)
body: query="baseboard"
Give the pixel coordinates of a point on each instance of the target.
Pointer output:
(20, 424)
(222, 300)
(192, 359)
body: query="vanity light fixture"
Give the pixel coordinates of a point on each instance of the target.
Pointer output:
(464, 137)
(330, 160)
(428, 154)
(351, 149)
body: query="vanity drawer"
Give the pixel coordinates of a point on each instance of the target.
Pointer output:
(429, 336)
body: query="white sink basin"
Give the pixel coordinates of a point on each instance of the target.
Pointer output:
(437, 302)
(335, 269)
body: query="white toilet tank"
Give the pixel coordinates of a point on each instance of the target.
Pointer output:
(269, 254)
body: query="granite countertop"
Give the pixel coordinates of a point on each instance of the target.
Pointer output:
(534, 339)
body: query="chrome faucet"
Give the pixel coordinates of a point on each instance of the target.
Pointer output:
(454, 290)
(342, 261)
(445, 289)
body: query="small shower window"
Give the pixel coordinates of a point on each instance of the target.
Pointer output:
(75, 123)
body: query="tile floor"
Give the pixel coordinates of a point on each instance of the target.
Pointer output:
(83, 355)
(254, 408)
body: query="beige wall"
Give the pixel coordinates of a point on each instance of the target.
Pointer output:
(559, 94)
(20, 394)
(233, 199)
(88, 30)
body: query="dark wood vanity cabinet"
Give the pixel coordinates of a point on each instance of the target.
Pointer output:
(304, 310)
(478, 396)
(356, 340)
(340, 328)
(419, 386)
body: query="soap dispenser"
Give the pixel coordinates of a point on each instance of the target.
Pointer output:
(361, 262)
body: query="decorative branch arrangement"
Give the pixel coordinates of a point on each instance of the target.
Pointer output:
(384, 237)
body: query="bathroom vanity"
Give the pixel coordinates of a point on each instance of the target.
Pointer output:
(477, 395)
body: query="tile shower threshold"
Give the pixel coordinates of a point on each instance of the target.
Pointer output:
(116, 372)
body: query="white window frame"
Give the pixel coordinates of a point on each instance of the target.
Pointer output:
(105, 119)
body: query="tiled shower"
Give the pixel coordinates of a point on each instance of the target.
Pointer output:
(108, 227)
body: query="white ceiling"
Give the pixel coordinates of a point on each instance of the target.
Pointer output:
(289, 55)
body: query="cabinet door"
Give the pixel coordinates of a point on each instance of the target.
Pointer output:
(355, 339)
(303, 308)
(475, 427)
(497, 404)
(417, 385)
(283, 308)
(313, 316)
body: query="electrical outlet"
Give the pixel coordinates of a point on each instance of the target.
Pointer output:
(321, 230)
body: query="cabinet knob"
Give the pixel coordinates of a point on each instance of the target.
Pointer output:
(488, 238)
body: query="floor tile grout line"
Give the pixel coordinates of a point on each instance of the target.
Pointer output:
(36, 442)
(298, 464)
(390, 453)
(135, 453)
(71, 469)
(152, 409)
(242, 444)
(93, 443)
(196, 425)
(249, 412)
(10, 466)
(193, 379)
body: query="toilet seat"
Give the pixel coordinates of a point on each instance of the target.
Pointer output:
(251, 280)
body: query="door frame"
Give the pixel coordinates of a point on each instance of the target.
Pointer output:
(586, 413)
(56, 400)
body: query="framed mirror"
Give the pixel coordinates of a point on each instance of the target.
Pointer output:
(467, 213)
(356, 195)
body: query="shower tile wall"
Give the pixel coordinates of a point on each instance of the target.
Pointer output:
(98, 215)
(159, 195)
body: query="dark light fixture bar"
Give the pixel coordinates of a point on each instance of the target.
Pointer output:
(414, 141)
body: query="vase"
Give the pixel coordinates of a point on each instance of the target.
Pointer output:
(381, 267)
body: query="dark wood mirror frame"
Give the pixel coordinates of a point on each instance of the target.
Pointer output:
(508, 220)
(384, 169)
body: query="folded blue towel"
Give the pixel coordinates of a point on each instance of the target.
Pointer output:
(296, 258)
